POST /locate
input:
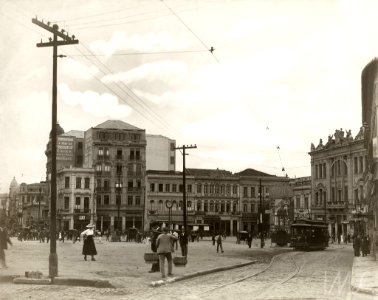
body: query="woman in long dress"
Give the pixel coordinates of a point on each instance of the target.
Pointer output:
(89, 247)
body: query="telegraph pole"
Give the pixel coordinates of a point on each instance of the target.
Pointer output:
(183, 148)
(54, 42)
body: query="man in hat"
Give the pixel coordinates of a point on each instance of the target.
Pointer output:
(164, 249)
(89, 247)
(4, 241)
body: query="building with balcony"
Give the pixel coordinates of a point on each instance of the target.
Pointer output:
(337, 169)
(33, 205)
(259, 193)
(117, 152)
(160, 153)
(76, 207)
(302, 197)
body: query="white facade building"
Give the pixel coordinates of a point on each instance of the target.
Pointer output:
(160, 153)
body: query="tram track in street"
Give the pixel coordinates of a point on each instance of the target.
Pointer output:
(260, 291)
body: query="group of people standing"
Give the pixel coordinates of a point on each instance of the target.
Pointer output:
(361, 245)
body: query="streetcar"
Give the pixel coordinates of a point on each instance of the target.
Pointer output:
(309, 235)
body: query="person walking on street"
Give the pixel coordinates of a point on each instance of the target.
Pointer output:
(175, 242)
(4, 241)
(89, 247)
(164, 249)
(249, 239)
(356, 245)
(184, 239)
(213, 238)
(219, 242)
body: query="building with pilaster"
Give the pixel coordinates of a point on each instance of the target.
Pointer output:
(117, 152)
(302, 197)
(368, 213)
(337, 169)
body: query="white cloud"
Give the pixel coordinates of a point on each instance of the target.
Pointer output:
(120, 40)
(169, 71)
(99, 105)
(77, 70)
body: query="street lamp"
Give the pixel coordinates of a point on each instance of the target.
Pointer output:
(169, 205)
(39, 204)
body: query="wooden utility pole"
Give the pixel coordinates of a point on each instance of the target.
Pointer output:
(183, 148)
(54, 42)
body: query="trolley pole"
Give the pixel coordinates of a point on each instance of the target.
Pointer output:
(261, 218)
(54, 42)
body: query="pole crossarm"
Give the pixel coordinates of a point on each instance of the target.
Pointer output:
(57, 43)
(53, 29)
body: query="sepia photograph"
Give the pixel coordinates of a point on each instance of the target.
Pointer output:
(189, 149)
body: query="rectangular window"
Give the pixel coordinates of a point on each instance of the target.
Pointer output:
(245, 192)
(98, 200)
(87, 183)
(100, 151)
(119, 153)
(130, 184)
(106, 152)
(172, 146)
(253, 192)
(152, 187)
(106, 185)
(306, 202)
(235, 189)
(132, 154)
(80, 145)
(298, 203)
(106, 200)
(167, 187)
(181, 188)
(98, 168)
(129, 200)
(119, 169)
(189, 187)
(346, 193)
(66, 182)
(361, 164)
(137, 200)
(206, 189)
(78, 182)
(137, 155)
(77, 202)
(172, 160)
(174, 188)
(66, 202)
(86, 203)
(160, 187)
(356, 199)
(138, 170)
(199, 188)
(107, 168)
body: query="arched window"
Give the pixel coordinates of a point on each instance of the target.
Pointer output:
(217, 207)
(152, 204)
(174, 205)
(245, 207)
(222, 188)
(205, 206)
(228, 207)
(189, 205)
(198, 205)
(222, 208)
(234, 207)
(211, 206)
(161, 207)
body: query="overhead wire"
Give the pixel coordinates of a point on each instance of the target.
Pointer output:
(211, 49)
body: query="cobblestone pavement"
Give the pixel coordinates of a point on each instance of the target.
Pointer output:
(120, 263)
(294, 275)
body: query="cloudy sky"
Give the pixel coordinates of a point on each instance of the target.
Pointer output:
(284, 73)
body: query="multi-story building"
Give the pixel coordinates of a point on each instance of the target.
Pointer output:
(13, 202)
(4, 205)
(117, 152)
(160, 153)
(337, 169)
(76, 206)
(33, 208)
(217, 200)
(260, 194)
(369, 103)
(302, 197)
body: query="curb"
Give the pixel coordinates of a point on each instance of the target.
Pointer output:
(200, 273)
(364, 291)
(81, 282)
(26, 280)
(8, 278)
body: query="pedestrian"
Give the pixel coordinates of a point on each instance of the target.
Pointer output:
(89, 247)
(175, 242)
(213, 238)
(184, 239)
(368, 244)
(356, 245)
(364, 245)
(339, 238)
(164, 249)
(249, 239)
(4, 241)
(155, 233)
(219, 242)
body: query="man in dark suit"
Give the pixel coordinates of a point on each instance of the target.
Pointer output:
(4, 241)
